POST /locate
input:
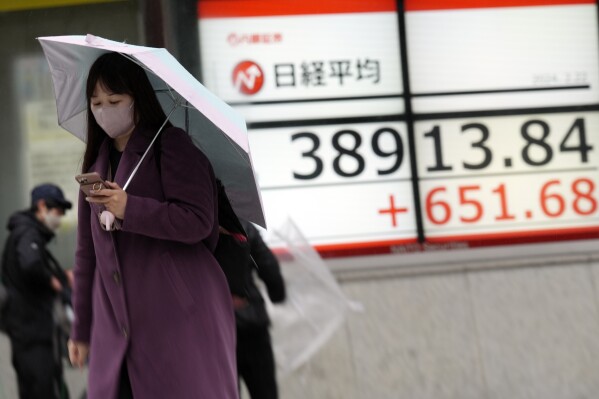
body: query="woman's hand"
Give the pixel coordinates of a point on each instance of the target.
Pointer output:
(113, 198)
(78, 352)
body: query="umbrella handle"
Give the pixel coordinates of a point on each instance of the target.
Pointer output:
(107, 218)
(148, 149)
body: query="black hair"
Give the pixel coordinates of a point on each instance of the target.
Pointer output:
(120, 75)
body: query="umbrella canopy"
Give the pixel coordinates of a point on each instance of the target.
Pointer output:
(214, 127)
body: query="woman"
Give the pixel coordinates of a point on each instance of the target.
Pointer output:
(151, 303)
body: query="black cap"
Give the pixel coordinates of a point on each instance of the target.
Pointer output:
(52, 193)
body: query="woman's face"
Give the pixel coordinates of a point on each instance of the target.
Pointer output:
(114, 113)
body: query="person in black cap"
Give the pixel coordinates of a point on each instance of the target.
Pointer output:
(35, 281)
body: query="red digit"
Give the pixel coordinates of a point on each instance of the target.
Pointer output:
(465, 201)
(444, 205)
(561, 204)
(500, 190)
(584, 195)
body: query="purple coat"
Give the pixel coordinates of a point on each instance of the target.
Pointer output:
(152, 295)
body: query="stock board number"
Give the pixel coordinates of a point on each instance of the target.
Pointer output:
(551, 201)
(575, 140)
(353, 151)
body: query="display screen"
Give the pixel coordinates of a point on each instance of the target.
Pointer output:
(379, 126)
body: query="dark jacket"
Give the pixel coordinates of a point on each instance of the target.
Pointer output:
(27, 267)
(265, 264)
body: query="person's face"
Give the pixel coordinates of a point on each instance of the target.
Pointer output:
(51, 217)
(114, 113)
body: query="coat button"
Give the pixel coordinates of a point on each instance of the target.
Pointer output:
(116, 277)
(125, 332)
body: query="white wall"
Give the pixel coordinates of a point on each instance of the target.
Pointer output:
(526, 332)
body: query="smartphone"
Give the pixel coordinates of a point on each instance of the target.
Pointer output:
(90, 181)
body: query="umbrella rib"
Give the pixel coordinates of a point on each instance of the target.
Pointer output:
(234, 145)
(148, 149)
(186, 116)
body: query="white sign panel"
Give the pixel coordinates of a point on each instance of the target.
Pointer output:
(486, 133)
(277, 67)
(503, 57)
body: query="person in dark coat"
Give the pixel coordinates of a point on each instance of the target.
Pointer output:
(34, 281)
(152, 306)
(255, 359)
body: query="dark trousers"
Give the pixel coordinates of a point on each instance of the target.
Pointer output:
(39, 371)
(256, 363)
(125, 391)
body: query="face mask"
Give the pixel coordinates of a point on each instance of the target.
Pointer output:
(116, 121)
(52, 221)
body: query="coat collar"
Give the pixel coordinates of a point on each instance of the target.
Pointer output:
(27, 220)
(136, 146)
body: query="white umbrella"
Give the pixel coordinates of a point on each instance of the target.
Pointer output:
(214, 127)
(314, 309)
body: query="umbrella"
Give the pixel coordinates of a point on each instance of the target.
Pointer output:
(214, 127)
(315, 306)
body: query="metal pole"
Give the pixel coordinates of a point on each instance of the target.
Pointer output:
(152, 22)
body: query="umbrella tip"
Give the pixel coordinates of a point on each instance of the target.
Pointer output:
(90, 39)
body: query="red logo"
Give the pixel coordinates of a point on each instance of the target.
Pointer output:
(235, 39)
(248, 77)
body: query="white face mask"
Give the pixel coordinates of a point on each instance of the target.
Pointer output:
(116, 120)
(52, 220)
